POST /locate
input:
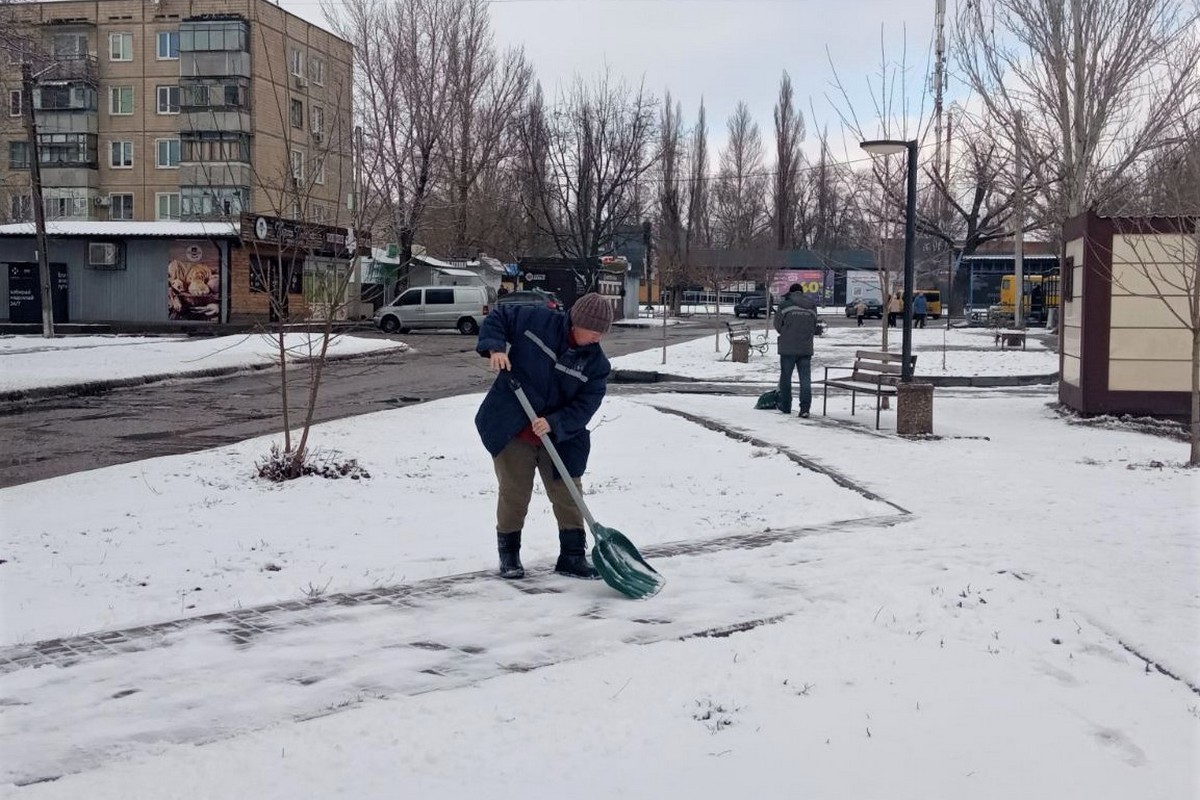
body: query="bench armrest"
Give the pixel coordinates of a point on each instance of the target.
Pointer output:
(850, 369)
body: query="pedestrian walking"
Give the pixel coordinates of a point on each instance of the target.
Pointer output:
(558, 361)
(860, 311)
(893, 310)
(920, 309)
(796, 324)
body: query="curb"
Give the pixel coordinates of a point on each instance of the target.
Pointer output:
(91, 388)
(622, 376)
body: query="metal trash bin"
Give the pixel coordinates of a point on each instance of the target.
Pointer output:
(741, 351)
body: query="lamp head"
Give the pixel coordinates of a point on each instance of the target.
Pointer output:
(884, 147)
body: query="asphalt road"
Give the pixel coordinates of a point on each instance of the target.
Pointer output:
(59, 436)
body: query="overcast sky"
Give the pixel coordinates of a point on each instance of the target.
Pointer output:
(723, 50)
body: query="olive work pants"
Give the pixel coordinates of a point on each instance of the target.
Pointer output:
(515, 467)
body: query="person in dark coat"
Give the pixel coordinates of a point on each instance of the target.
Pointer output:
(558, 361)
(920, 309)
(796, 324)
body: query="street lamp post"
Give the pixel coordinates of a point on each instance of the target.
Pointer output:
(885, 147)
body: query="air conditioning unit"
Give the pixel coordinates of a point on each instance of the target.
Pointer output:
(301, 81)
(102, 254)
(102, 201)
(317, 136)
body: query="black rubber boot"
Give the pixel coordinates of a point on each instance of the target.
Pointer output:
(572, 556)
(509, 545)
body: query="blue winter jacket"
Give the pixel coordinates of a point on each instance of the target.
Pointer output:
(564, 384)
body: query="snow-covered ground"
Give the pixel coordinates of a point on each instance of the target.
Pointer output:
(991, 643)
(957, 351)
(30, 362)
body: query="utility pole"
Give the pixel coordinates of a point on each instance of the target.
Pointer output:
(939, 85)
(39, 211)
(1019, 234)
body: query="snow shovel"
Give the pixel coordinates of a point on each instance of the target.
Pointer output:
(614, 556)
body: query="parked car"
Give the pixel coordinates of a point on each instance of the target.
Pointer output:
(459, 307)
(531, 297)
(751, 306)
(874, 308)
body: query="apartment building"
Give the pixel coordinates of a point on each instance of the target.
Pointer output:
(179, 110)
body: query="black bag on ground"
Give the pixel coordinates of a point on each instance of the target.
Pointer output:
(768, 401)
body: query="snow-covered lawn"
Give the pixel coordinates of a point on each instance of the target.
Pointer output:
(982, 647)
(30, 362)
(968, 352)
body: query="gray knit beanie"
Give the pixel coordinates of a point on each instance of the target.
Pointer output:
(592, 312)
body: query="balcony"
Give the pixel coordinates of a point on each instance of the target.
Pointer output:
(73, 68)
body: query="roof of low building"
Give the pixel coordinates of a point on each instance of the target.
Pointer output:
(163, 229)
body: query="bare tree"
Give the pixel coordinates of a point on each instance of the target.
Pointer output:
(789, 133)
(403, 51)
(1099, 83)
(739, 210)
(19, 44)
(673, 195)
(597, 146)
(308, 250)
(488, 89)
(825, 213)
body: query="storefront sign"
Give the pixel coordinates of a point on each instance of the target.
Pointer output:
(323, 240)
(25, 294)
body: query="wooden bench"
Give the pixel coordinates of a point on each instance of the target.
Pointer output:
(873, 373)
(1006, 337)
(739, 332)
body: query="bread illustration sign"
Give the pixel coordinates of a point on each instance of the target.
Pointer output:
(194, 282)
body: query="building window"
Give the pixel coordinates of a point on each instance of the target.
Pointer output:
(15, 109)
(213, 202)
(120, 101)
(297, 166)
(319, 214)
(69, 45)
(20, 207)
(295, 210)
(66, 204)
(120, 47)
(215, 146)
(18, 155)
(168, 45)
(318, 121)
(208, 94)
(122, 155)
(166, 205)
(67, 150)
(319, 170)
(168, 99)
(213, 36)
(167, 152)
(296, 62)
(297, 113)
(316, 70)
(121, 206)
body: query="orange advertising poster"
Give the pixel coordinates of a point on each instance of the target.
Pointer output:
(194, 282)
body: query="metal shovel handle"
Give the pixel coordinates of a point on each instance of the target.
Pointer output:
(558, 464)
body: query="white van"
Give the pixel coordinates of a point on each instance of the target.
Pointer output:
(461, 307)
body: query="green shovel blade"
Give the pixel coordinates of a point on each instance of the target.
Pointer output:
(622, 566)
